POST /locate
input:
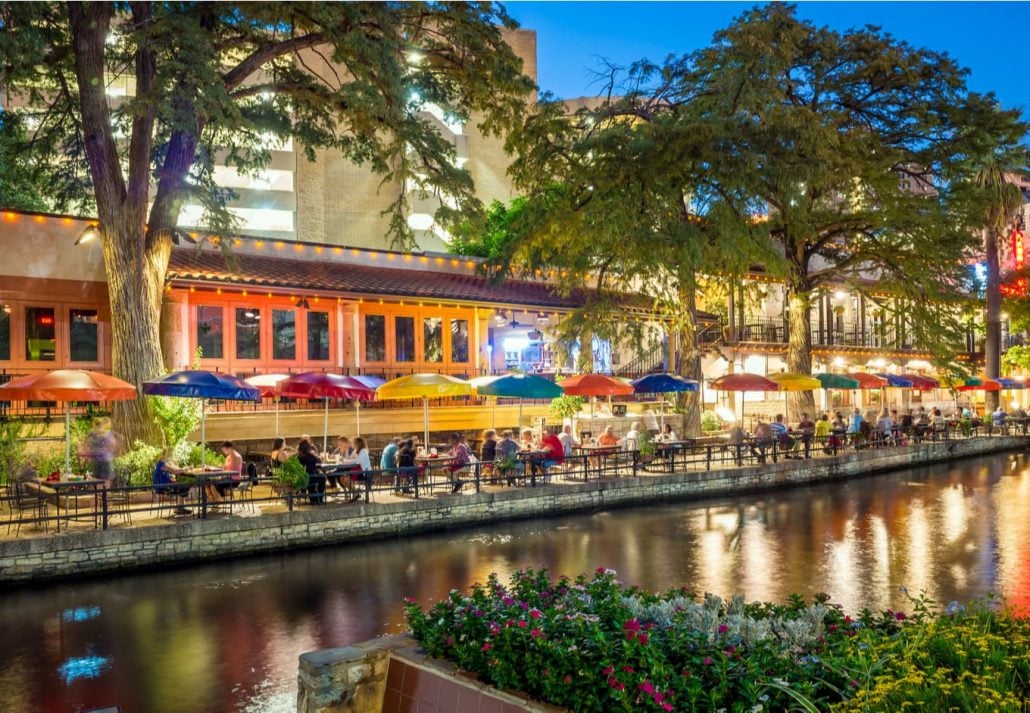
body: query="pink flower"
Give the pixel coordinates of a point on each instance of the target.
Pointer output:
(409, 600)
(450, 641)
(631, 625)
(508, 601)
(627, 669)
(666, 706)
(707, 661)
(642, 638)
(567, 680)
(536, 634)
(486, 647)
(494, 629)
(608, 671)
(522, 623)
(599, 570)
(616, 684)
(723, 628)
(535, 613)
(647, 687)
(900, 616)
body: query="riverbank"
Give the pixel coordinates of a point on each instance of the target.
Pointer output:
(82, 553)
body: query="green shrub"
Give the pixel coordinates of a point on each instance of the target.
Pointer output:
(136, 466)
(594, 645)
(292, 474)
(564, 407)
(710, 422)
(13, 434)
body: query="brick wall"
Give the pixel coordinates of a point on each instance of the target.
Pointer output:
(76, 554)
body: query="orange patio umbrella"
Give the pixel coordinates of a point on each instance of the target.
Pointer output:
(67, 385)
(743, 382)
(596, 385)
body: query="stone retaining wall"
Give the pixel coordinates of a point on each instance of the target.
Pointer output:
(91, 552)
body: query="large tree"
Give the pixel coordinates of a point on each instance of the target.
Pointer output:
(854, 144)
(219, 77)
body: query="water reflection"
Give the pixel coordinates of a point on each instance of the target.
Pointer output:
(226, 636)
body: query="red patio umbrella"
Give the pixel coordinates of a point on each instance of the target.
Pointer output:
(596, 385)
(868, 381)
(984, 385)
(743, 381)
(316, 385)
(67, 385)
(920, 382)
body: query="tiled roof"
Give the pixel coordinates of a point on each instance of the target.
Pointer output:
(330, 276)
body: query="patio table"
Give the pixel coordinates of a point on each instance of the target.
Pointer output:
(69, 491)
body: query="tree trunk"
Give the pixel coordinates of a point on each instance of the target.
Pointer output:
(136, 269)
(799, 351)
(689, 402)
(992, 347)
(585, 359)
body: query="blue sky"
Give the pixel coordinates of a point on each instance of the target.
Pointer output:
(986, 37)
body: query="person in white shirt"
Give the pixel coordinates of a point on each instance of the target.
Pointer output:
(568, 441)
(358, 457)
(629, 441)
(667, 435)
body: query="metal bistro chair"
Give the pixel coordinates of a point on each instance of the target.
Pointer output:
(20, 501)
(245, 490)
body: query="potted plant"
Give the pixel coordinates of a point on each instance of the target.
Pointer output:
(645, 448)
(290, 476)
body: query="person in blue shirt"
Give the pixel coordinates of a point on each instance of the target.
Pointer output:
(388, 459)
(781, 435)
(855, 426)
(165, 484)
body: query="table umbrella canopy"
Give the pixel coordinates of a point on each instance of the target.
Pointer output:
(200, 384)
(596, 385)
(267, 384)
(837, 381)
(316, 385)
(868, 381)
(795, 382)
(896, 381)
(372, 382)
(516, 386)
(966, 383)
(980, 383)
(425, 387)
(663, 384)
(744, 382)
(67, 385)
(1010, 384)
(921, 382)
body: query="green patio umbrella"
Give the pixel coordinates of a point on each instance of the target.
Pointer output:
(837, 381)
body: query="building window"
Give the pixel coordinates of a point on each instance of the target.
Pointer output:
(5, 332)
(248, 333)
(83, 333)
(375, 337)
(404, 338)
(460, 341)
(39, 334)
(209, 331)
(318, 336)
(284, 334)
(432, 339)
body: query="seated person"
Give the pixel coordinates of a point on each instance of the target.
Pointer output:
(608, 438)
(780, 434)
(764, 437)
(361, 465)
(488, 451)
(667, 435)
(629, 441)
(555, 453)
(457, 460)
(164, 481)
(998, 417)
(807, 430)
(307, 454)
(884, 426)
(234, 466)
(506, 456)
(526, 440)
(342, 454)
(822, 430)
(388, 458)
(407, 468)
(280, 452)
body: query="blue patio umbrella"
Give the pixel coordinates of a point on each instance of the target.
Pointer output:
(896, 381)
(203, 385)
(663, 384)
(1007, 383)
(372, 382)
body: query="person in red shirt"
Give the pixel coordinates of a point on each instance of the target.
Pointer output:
(555, 452)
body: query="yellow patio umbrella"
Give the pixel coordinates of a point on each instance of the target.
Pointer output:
(789, 381)
(425, 387)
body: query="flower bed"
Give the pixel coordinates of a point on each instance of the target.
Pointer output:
(594, 645)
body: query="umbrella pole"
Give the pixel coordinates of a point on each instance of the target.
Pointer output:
(425, 421)
(357, 417)
(67, 437)
(325, 427)
(203, 431)
(520, 414)
(494, 414)
(277, 417)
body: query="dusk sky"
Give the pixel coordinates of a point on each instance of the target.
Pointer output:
(986, 37)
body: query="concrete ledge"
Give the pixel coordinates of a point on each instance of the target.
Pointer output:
(82, 553)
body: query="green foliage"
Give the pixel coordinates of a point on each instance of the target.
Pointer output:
(563, 407)
(176, 417)
(645, 444)
(290, 473)
(592, 644)
(21, 185)
(136, 466)
(13, 434)
(493, 236)
(710, 422)
(1017, 357)
(188, 455)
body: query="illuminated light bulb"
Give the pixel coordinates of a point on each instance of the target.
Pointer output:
(390, 256)
(355, 252)
(279, 246)
(244, 293)
(407, 258)
(337, 251)
(10, 216)
(40, 219)
(470, 264)
(259, 244)
(423, 259)
(193, 288)
(439, 261)
(455, 263)
(298, 247)
(373, 256)
(218, 291)
(318, 249)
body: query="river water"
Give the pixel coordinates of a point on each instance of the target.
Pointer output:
(225, 636)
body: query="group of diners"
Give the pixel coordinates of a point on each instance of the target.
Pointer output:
(167, 477)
